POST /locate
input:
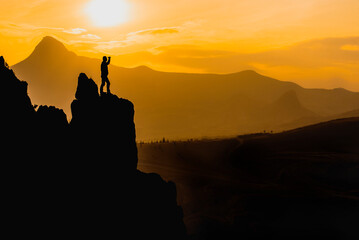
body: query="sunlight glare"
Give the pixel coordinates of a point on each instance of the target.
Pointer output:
(108, 13)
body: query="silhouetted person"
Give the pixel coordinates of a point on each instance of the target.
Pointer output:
(104, 74)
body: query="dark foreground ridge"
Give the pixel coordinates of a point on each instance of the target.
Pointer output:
(79, 180)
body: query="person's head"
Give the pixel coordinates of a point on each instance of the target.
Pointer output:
(104, 58)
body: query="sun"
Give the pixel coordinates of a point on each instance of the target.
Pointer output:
(108, 13)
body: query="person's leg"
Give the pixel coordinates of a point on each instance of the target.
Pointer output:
(108, 85)
(102, 85)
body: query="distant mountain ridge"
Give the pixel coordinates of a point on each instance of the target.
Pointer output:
(184, 105)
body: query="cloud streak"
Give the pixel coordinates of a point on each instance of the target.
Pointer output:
(155, 31)
(75, 31)
(90, 36)
(18, 29)
(131, 39)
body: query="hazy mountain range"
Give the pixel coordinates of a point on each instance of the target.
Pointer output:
(184, 105)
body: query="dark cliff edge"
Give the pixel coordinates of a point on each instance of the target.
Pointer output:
(79, 179)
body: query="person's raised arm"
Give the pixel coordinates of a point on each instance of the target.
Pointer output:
(109, 59)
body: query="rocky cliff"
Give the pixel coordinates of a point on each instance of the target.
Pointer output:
(104, 124)
(79, 179)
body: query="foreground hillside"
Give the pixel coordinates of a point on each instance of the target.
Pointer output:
(183, 105)
(303, 183)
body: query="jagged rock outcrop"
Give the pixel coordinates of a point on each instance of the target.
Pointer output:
(129, 203)
(17, 110)
(105, 122)
(79, 180)
(50, 118)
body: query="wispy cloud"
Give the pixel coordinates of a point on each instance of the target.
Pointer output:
(78, 36)
(130, 39)
(13, 27)
(154, 31)
(16, 26)
(92, 43)
(105, 46)
(90, 36)
(147, 39)
(74, 31)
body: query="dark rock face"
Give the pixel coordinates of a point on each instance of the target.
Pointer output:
(79, 179)
(51, 119)
(87, 89)
(105, 122)
(17, 109)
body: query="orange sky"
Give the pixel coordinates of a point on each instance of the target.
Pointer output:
(313, 43)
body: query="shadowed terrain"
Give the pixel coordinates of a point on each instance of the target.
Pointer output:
(302, 183)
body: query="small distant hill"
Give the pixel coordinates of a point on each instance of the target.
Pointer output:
(286, 111)
(185, 105)
(289, 108)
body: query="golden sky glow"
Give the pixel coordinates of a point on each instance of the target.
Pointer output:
(108, 13)
(313, 43)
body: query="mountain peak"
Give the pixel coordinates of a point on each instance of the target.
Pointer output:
(50, 46)
(50, 41)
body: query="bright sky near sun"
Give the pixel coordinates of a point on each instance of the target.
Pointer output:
(313, 43)
(108, 13)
